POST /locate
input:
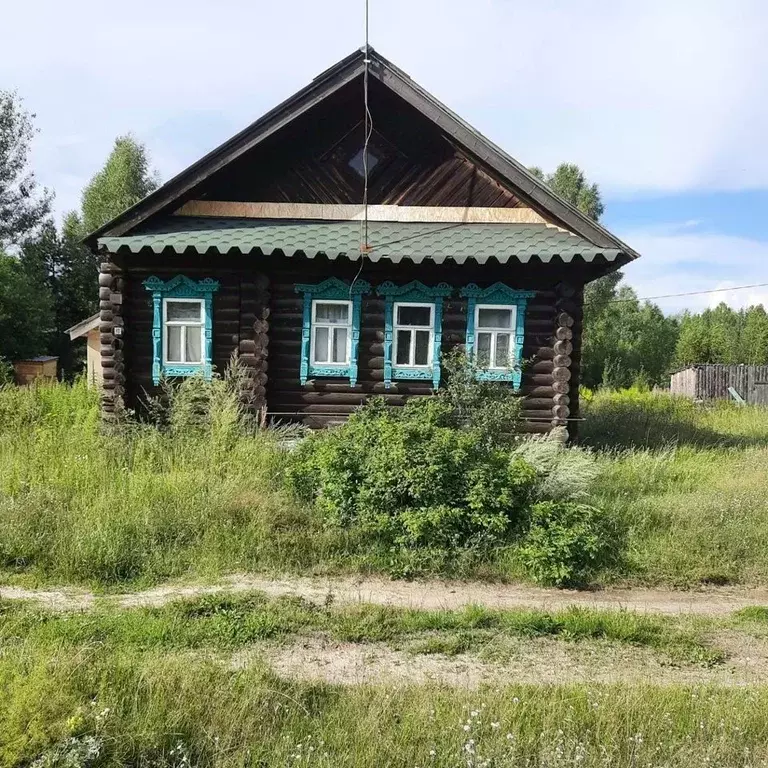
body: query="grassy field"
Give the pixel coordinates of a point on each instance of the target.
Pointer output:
(77, 506)
(192, 683)
(689, 481)
(159, 687)
(168, 709)
(230, 622)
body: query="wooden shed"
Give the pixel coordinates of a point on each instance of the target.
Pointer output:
(720, 382)
(89, 329)
(340, 246)
(43, 368)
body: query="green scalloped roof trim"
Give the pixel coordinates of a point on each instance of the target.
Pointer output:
(336, 239)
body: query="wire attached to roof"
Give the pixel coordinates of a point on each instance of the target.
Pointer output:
(368, 128)
(365, 247)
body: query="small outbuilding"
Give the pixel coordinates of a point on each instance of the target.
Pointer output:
(42, 368)
(89, 329)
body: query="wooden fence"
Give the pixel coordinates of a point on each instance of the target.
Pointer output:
(711, 382)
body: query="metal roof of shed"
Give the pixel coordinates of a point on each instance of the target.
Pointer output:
(389, 240)
(84, 327)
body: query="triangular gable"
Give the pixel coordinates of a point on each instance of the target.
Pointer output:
(530, 189)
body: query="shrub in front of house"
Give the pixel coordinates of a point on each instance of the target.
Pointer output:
(409, 478)
(567, 541)
(448, 477)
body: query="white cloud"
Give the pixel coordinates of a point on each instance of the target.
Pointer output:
(653, 96)
(675, 260)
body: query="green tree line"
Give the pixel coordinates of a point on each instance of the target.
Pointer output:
(49, 279)
(627, 340)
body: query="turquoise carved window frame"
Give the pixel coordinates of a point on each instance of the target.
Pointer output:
(181, 287)
(414, 292)
(498, 294)
(331, 290)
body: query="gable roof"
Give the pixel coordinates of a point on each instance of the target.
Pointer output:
(533, 190)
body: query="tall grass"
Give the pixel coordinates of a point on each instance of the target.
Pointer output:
(689, 481)
(140, 504)
(634, 418)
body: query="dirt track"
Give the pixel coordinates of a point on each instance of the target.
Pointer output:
(715, 601)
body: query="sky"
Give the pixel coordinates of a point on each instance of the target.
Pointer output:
(661, 102)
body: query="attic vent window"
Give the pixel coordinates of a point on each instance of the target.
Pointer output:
(356, 161)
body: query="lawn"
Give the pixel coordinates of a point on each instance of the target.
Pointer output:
(227, 622)
(689, 481)
(161, 687)
(97, 705)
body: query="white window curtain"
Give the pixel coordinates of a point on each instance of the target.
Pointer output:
(495, 326)
(331, 332)
(183, 320)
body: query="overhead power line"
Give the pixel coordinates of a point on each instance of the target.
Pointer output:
(690, 293)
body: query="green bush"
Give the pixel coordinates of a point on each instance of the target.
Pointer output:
(409, 478)
(6, 372)
(448, 477)
(567, 542)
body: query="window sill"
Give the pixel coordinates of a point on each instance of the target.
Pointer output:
(342, 371)
(401, 372)
(500, 374)
(184, 370)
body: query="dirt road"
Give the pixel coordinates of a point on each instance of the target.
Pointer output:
(714, 601)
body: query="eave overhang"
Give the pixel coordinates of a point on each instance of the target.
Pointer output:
(393, 241)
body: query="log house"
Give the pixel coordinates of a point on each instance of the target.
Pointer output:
(264, 248)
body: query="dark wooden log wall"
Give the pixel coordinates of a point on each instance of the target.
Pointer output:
(576, 308)
(322, 401)
(253, 344)
(240, 321)
(258, 314)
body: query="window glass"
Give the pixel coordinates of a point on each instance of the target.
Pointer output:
(321, 344)
(409, 315)
(339, 345)
(403, 348)
(332, 313)
(492, 317)
(180, 311)
(484, 349)
(331, 323)
(174, 343)
(502, 351)
(356, 161)
(421, 348)
(193, 347)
